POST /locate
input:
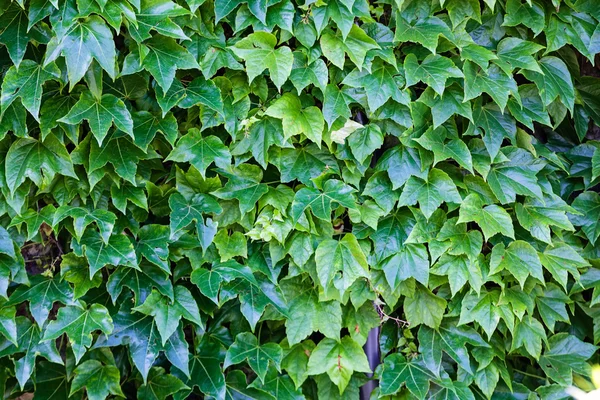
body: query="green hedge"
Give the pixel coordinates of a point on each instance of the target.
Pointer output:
(222, 198)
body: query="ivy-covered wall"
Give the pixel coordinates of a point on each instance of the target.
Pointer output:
(221, 198)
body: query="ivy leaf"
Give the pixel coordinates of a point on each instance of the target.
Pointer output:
(141, 282)
(156, 15)
(425, 308)
(451, 340)
(26, 83)
(15, 34)
(586, 204)
(381, 84)
(516, 53)
(425, 31)
(434, 140)
(339, 360)
(554, 82)
(529, 334)
(356, 45)
(320, 201)
(98, 380)
(244, 184)
(160, 385)
(445, 106)
(39, 161)
(79, 323)
(185, 211)
(261, 136)
(429, 193)
(364, 141)
(247, 348)
(205, 369)
(411, 261)
(297, 120)
(401, 163)
(433, 71)
(493, 82)
(308, 314)
(82, 218)
(459, 269)
(230, 246)
(335, 105)
(496, 125)
(200, 151)
(100, 114)
(305, 73)
(167, 314)
(564, 355)
(536, 216)
(122, 153)
(85, 40)
(146, 125)
(519, 258)
(492, 219)
(28, 338)
(258, 50)
(531, 15)
(561, 260)
(139, 333)
(152, 244)
(345, 256)
(117, 251)
(398, 371)
(515, 176)
(41, 295)
(34, 220)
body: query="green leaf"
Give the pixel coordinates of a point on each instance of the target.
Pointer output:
(356, 45)
(147, 346)
(451, 340)
(297, 120)
(434, 140)
(167, 314)
(459, 270)
(515, 176)
(445, 106)
(425, 308)
(425, 31)
(160, 385)
(492, 219)
(554, 82)
(15, 33)
(100, 114)
(531, 15)
(433, 71)
(26, 83)
(200, 151)
(205, 370)
(519, 258)
(41, 295)
(429, 193)
(586, 205)
(28, 338)
(398, 371)
(185, 211)
(516, 53)
(320, 201)
(345, 256)
(152, 244)
(85, 40)
(561, 260)
(247, 348)
(230, 246)
(98, 380)
(244, 184)
(529, 334)
(39, 161)
(339, 360)
(382, 83)
(164, 57)
(335, 105)
(259, 53)
(494, 82)
(564, 355)
(117, 251)
(140, 282)
(364, 141)
(412, 261)
(79, 323)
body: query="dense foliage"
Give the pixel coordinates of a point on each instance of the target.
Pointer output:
(221, 198)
